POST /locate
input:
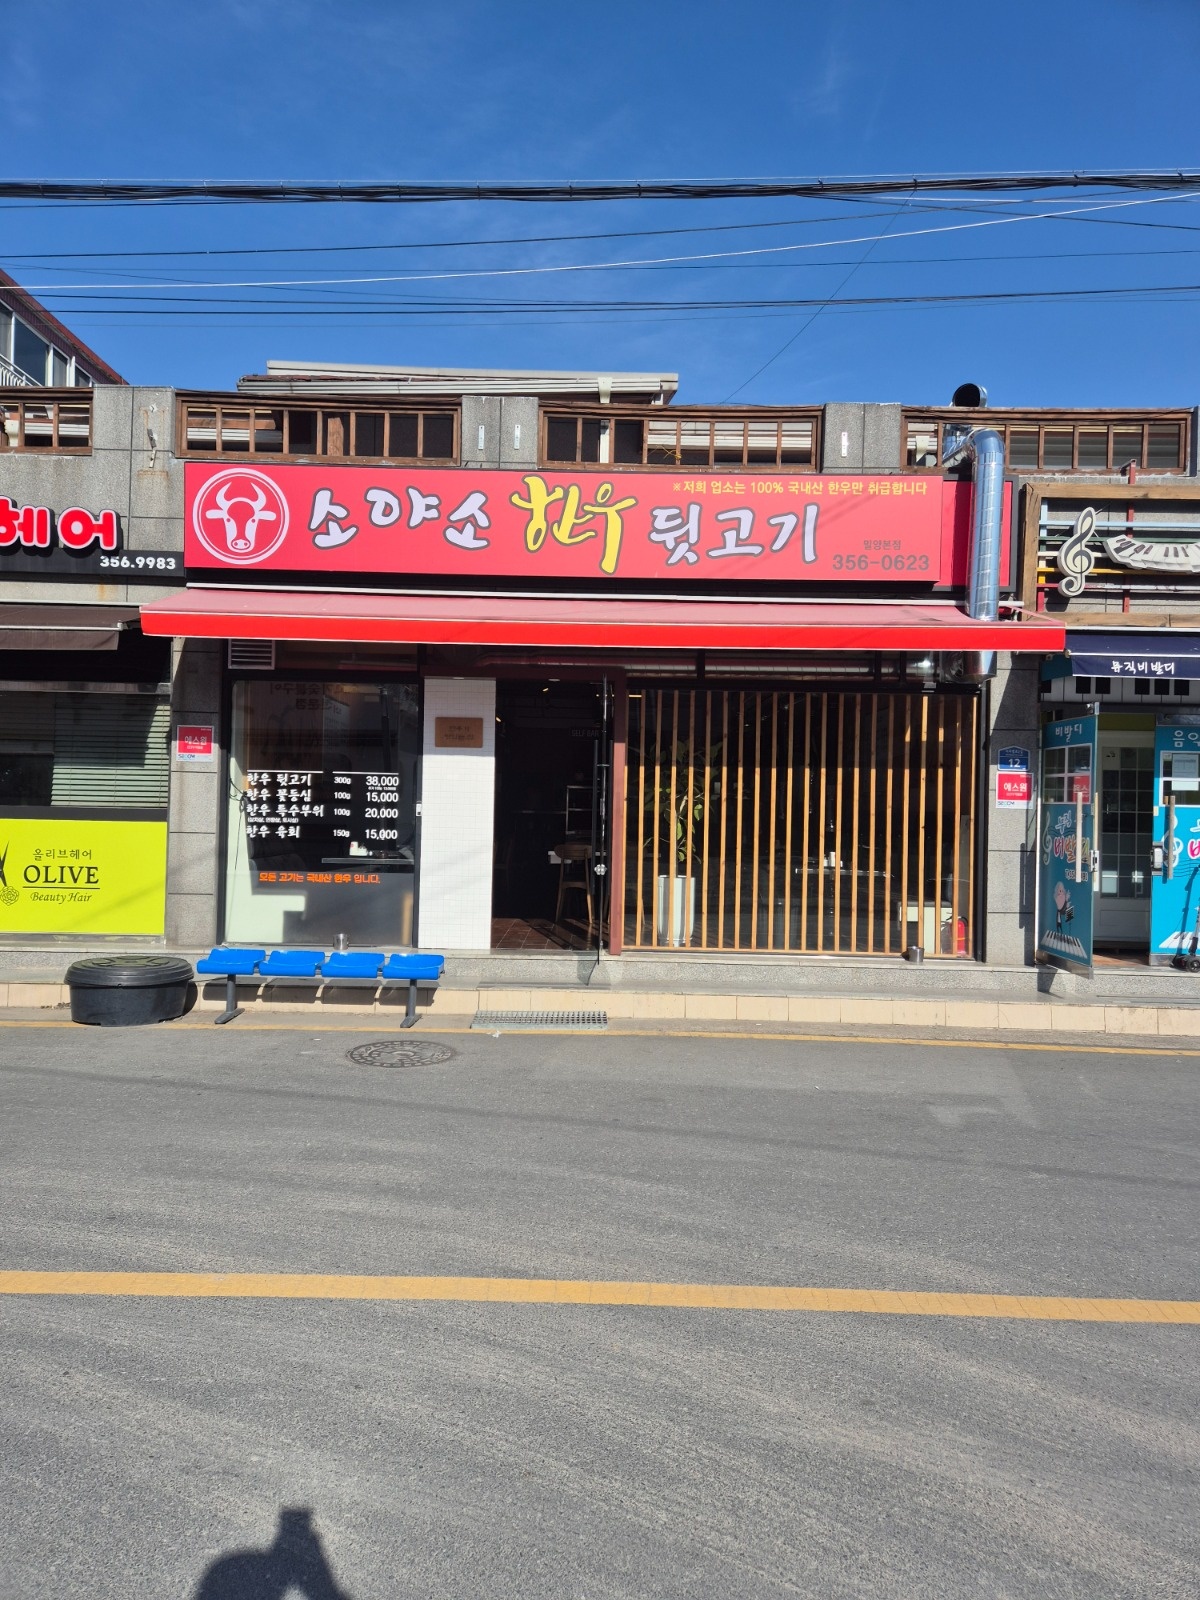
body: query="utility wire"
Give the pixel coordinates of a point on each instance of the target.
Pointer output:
(170, 305)
(870, 239)
(808, 322)
(309, 193)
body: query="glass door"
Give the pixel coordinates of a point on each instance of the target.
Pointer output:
(1175, 884)
(1126, 815)
(1067, 834)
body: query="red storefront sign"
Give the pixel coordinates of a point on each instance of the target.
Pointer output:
(344, 520)
(37, 527)
(194, 742)
(1014, 790)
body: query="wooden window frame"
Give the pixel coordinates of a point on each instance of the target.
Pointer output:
(714, 417)
(253, 406)
(56, 399)
(1005, 421)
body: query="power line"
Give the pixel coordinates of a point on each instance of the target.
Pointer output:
(870, 240)
(808, 321)
(432, 244)
(210, 191)
(170, 305)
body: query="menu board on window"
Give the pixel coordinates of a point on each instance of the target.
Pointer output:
(324, 827)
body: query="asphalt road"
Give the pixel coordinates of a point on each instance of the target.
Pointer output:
(374, 1450)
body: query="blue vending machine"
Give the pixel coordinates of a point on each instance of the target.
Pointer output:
(1175, 883)
(1067, 834)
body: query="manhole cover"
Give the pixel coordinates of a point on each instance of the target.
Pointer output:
(400, 1053)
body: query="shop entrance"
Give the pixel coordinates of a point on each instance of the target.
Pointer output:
(1126, 825)
(551, 816)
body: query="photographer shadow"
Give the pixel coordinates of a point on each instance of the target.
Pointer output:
(295, 1561)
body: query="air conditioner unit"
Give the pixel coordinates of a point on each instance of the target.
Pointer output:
(251, 655)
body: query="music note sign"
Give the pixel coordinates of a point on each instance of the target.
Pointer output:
(1076, 558)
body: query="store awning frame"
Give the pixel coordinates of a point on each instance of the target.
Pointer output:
(603, 622)
(58, 627)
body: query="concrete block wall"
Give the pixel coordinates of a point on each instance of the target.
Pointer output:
(499, 430)
(457, 804)
(1010, 868)
(128, 472)
(861, 438)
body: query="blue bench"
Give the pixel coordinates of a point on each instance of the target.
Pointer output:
(371, 968)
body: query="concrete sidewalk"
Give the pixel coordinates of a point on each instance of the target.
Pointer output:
(945, 996)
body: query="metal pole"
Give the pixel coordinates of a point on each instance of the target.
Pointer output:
(600, 816)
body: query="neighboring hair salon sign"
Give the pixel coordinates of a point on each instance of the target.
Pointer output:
(59, 875)
(1141, 552)
(906, 528)
(36, 541)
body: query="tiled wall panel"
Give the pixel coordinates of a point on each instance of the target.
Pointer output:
(457, 799)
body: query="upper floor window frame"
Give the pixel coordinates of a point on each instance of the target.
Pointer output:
(1088, 436)
(241, 425)
(58, 368)
(38, 421)
(601, 427)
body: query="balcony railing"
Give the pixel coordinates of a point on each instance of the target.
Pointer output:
(13, 378)
(42, 419)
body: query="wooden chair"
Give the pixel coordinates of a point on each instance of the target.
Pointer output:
(575, 877)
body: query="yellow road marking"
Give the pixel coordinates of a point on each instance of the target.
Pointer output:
(1057, 1046)
(577, 1292)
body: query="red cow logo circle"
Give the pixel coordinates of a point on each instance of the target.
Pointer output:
(240, 517)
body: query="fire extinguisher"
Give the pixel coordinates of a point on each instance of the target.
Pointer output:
(961, 942)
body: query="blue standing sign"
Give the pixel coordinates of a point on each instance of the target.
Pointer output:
(1175, 884)
(1066, 837)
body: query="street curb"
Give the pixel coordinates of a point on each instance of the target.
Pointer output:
(1041, 1016)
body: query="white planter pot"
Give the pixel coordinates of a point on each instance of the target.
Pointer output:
(684, 908)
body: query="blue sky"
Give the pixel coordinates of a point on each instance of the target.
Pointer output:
(527, 90)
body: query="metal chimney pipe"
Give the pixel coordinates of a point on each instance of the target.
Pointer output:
(984, 447)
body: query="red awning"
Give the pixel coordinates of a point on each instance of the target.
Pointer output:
(593, 624)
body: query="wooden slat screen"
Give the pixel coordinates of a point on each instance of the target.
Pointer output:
(801, 821)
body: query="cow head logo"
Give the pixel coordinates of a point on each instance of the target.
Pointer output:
(240, 517)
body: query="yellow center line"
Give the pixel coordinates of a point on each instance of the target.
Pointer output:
(1069, 1043)
(584, 1292)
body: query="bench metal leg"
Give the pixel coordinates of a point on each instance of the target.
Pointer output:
(410, 1006)
(232, 1009)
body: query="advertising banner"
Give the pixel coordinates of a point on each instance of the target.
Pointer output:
(1175, 884)
(59, 876)
(334, 519)
(1067, 839)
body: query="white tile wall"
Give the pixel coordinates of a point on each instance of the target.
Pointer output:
(457, 800)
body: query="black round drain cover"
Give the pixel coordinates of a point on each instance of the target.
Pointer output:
(400, 1053)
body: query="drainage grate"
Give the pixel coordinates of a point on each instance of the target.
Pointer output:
(400, 1053)
(541, 1021)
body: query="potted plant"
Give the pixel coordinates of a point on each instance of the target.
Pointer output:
(678, 816)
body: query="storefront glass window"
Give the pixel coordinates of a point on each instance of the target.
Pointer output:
(83, 814)
(322, 817)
